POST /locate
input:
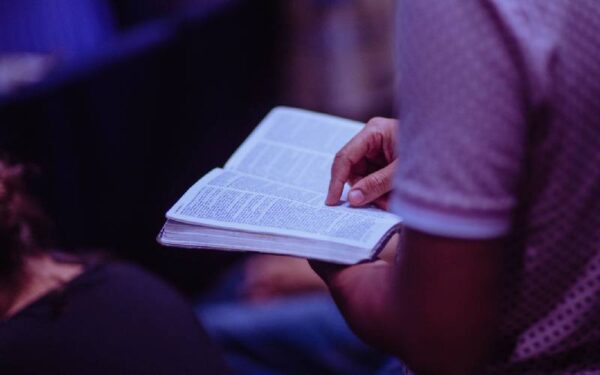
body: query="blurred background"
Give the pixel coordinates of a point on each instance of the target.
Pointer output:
(123, 104)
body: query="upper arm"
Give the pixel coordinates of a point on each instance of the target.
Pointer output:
(463, 120)
(461, 147)
(448, 289)
(463, 128)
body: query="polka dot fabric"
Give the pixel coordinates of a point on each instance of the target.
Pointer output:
(500, 136)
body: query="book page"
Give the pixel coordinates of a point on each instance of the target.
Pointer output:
(196, 236)
(295, 147)
(230, 199)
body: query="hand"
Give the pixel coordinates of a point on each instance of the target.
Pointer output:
(367, 162)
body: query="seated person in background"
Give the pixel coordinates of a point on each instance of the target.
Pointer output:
(62, 314)
(498, 182)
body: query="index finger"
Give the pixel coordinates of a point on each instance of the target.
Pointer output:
(350, 155)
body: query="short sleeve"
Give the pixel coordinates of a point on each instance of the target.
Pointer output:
(463, 105)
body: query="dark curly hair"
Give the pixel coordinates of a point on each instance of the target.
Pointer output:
(24, 228)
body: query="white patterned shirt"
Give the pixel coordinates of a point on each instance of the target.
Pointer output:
(500, 136)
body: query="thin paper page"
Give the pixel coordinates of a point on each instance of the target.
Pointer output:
(233, 200)
(193, 236)
(294, 146)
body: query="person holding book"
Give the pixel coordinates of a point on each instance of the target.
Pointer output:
(65, 314)
(497, 181)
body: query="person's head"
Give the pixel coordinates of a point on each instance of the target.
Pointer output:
(23, 225)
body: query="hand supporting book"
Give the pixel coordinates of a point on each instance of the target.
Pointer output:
(270, 195)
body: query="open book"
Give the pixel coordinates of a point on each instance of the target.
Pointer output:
(270, 197)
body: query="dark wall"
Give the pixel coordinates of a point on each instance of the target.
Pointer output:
(121, 136)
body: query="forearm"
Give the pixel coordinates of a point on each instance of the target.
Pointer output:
(363, 293)
(435, 310)
(397, 323)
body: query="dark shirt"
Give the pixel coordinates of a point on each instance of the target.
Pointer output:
(112, 319)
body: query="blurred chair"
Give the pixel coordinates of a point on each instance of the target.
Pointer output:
(339, 56)
(67, 28)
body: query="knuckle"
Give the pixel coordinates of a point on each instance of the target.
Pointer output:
(376, 121)
(377, 181)
(341, 158)
(376, 184)
(373, 121)
(361, 135)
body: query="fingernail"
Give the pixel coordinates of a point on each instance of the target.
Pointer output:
(356, 196)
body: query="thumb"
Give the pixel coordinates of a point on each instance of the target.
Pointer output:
(373, 186)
